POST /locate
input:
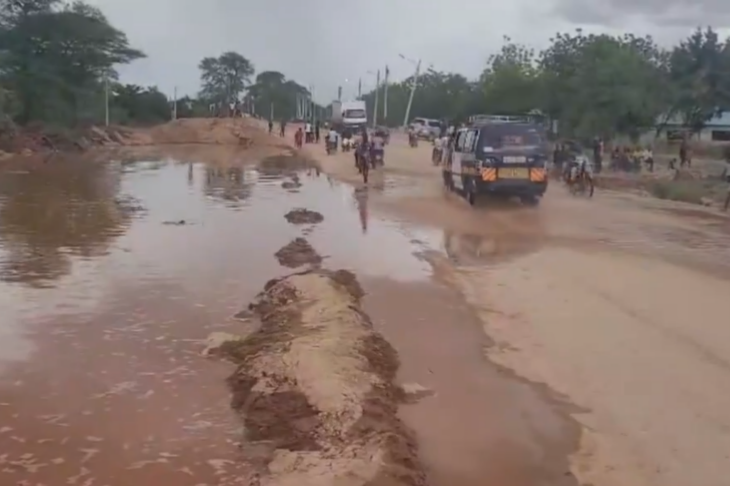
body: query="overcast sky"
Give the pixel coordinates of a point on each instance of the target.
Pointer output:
(326, 43)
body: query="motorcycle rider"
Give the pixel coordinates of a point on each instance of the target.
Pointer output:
(332, 139)
(377, 148)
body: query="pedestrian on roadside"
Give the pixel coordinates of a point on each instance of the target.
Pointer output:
(282, 128)
(597, 154)
(298, 136)
(684, 153)
(316, 131)
(271, 126)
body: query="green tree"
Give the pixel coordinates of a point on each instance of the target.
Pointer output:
(699, 69)
(54, 57)
(224, 78)
(141, 105)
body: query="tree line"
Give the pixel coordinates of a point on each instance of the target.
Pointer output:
(57, 67)
(591, 85)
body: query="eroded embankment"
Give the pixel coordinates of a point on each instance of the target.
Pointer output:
(315, 388)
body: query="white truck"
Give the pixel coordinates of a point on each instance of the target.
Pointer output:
(349, 114)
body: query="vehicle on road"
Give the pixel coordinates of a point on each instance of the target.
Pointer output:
(505, 159)
(412, 139)
(384, 133)
(350, 115)
(578, 176)
(426, 128)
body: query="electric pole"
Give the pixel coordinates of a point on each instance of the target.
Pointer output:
(377, 93)
(174, 104)
(106, 98)
(385, 95)
(413, 91)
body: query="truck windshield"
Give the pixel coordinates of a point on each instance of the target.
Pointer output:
(354, 114)
(505, 137)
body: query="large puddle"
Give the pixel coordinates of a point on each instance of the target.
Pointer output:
(110, 274)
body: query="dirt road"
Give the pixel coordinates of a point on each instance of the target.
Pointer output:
(617, 304)
(577, 342)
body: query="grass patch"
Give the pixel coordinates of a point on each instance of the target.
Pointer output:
(689, 191)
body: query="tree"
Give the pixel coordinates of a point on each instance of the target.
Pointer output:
(142, 105)
(224, 78)
(54, 57)
(699, 69)
(510, 83)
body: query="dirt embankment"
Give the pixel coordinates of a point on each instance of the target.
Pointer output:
(315, 389)
(32, 140)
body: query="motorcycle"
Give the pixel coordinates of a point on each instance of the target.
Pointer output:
(346, 144)
(331, 147)
(377, 159)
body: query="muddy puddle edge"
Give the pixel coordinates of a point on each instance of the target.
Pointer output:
(315, 387)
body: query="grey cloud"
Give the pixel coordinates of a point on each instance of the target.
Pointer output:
(317, 42)
(658, 13)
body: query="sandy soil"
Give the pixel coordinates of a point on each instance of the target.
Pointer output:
(315, 389)
(616, 303)
(582, 328)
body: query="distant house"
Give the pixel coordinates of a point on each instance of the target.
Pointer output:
(716, 129)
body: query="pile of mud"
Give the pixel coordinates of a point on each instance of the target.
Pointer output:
(315, 389)
(297, 253)
(206, 131)
(36, 138)
(303, 216)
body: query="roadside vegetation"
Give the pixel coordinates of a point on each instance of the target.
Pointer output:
(591, 85)
(57, 59)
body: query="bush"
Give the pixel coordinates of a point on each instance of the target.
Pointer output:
(689, 191)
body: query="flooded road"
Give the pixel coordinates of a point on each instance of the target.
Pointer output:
(547, 341)
(112, 274)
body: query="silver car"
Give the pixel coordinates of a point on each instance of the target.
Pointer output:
(426, 128)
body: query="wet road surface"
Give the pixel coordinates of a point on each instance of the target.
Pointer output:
(112, 274)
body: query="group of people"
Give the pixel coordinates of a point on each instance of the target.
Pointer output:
(632, 159)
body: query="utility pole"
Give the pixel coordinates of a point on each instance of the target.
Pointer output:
(106, 98)
(377, 93)
(174, 104)
(385, 95)
(339, 93)
(271, 111)
(312, 113)
(413, 91)
(359, 89)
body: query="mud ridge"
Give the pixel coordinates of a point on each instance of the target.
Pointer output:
(296, 253)
(303, 216)
(315, 389)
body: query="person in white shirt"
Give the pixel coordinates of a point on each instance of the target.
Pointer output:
(308, 133)
(332, 139)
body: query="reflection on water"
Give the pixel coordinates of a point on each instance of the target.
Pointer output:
(115, 391)
(228, 184)
(51, 213)
(361, 200)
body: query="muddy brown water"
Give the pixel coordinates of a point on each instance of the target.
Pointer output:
(104, 306)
